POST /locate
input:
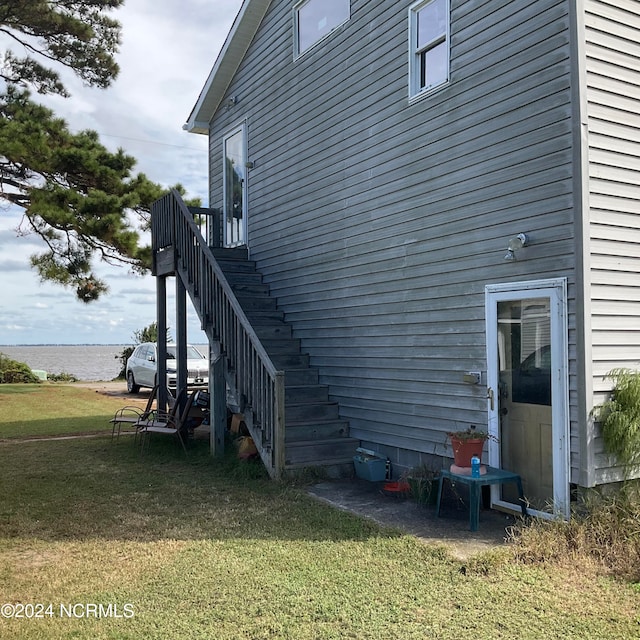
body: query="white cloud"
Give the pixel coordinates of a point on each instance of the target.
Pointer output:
(167, 51)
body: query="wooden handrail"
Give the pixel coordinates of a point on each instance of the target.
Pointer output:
(250, 373)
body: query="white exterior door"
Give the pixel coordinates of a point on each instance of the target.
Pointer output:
(234, 157)
(527, 380)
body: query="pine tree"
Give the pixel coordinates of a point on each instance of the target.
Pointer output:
(81, 199)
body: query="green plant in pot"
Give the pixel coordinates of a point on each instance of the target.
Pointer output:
(422, 482)
(467, 443)
(619, 418)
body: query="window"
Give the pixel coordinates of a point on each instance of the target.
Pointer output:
(314, 19)
(428, 46)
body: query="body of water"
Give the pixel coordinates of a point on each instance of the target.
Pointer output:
(85, 362)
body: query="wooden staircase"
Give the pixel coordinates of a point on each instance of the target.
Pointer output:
(315, 435)
(257, 362)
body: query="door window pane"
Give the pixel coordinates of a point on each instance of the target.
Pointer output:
(525, 333)
(234, 177)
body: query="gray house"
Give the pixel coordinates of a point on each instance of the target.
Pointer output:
(441, 200)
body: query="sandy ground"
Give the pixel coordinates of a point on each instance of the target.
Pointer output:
(117, 386)
(116, 389)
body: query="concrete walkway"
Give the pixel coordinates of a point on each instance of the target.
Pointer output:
(451, 529)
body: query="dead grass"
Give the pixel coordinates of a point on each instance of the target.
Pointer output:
(603, 533)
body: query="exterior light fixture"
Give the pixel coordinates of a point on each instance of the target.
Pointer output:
(517, 242)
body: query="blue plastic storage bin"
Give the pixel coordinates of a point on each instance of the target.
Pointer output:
(368, 466)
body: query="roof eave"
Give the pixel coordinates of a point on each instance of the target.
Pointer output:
(233, 50)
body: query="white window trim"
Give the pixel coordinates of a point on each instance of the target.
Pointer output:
(296, 39)
(416, 94)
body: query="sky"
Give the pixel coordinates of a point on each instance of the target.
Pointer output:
(168, 49)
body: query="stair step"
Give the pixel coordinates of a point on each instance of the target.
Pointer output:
(278, 345)
(320, 452)
(298, 393)
(243, 278)
(306, 411)
(267, 331)
(318, 430)
(271, 316)
(314, 433)
(230, 253)
(256, 303)
(250, 289)
(300, 376)
(288, 361)
(237, 266)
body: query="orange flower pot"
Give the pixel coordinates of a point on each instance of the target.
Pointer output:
(465, 449)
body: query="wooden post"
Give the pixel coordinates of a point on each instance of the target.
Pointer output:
(161, 311)
(279, 427)
(218, 403)
(181, 334)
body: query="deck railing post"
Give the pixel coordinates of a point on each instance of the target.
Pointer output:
(218, 403)
(278, 426)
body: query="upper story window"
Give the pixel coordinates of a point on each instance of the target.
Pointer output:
(428, 46)
(314, 19)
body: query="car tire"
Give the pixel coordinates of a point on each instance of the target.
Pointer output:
(132, 387)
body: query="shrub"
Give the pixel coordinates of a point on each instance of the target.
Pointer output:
(12, 371)
(620, 419)
(61, 377)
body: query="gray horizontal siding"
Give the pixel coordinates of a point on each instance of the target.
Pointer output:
(378, 223)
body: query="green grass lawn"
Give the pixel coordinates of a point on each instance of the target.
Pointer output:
(190, 547)
(54, 409)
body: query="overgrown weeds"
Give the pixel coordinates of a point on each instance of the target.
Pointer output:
(604, 529)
